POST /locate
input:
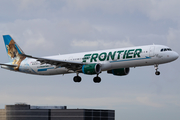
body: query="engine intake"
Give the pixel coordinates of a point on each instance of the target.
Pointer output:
(91, 69)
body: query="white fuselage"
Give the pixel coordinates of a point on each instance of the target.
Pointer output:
(108, 59)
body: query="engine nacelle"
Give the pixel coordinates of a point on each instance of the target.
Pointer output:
(91, 69)
(119, 72)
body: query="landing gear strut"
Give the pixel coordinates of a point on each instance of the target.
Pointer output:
(97, 79)
(156, 68)
(77, 78)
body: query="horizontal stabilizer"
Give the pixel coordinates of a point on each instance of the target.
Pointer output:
(9, 65)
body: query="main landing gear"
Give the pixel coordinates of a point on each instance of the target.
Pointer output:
(156, 68)
(77, 79)
(97, 79)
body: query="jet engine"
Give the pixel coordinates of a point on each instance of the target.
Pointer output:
(119, 72)
(91, 69)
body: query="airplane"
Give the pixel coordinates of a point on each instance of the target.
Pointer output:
(115, 61)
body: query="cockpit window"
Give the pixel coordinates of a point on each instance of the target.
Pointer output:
(166, 49)
(169, 49)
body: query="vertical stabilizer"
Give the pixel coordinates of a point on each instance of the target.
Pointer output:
(13, 50)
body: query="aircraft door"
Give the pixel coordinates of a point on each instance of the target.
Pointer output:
(151, 51)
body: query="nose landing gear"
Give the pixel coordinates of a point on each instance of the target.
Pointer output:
(156, 68)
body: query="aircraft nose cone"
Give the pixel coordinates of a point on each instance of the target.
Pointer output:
(175, 55)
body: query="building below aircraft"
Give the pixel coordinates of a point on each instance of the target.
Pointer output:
(28, 112)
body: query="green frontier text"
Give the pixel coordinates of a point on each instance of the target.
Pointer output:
(104, 56)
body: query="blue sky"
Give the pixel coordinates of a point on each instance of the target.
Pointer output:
(45, 28)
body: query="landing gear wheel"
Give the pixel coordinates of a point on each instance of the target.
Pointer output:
(97, 79)
(157, 73)
(77, 79)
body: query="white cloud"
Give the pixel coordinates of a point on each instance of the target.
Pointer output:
(29, 33)
(101, 43)
(71, 101)
(148, 102)
(173, 37)
(164, 9)
(84, 43)
(37, 41)
(27, 4)
(155, 9)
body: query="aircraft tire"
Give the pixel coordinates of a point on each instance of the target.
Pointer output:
(77, 79)
(157, 73)
(97, 79)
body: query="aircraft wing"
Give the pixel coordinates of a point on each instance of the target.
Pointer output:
(71, 65)
(8, 65)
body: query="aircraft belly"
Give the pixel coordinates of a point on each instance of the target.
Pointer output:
(132, 63)
(125, 64)
(52, 71)
(33, 67)
(106, 66)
